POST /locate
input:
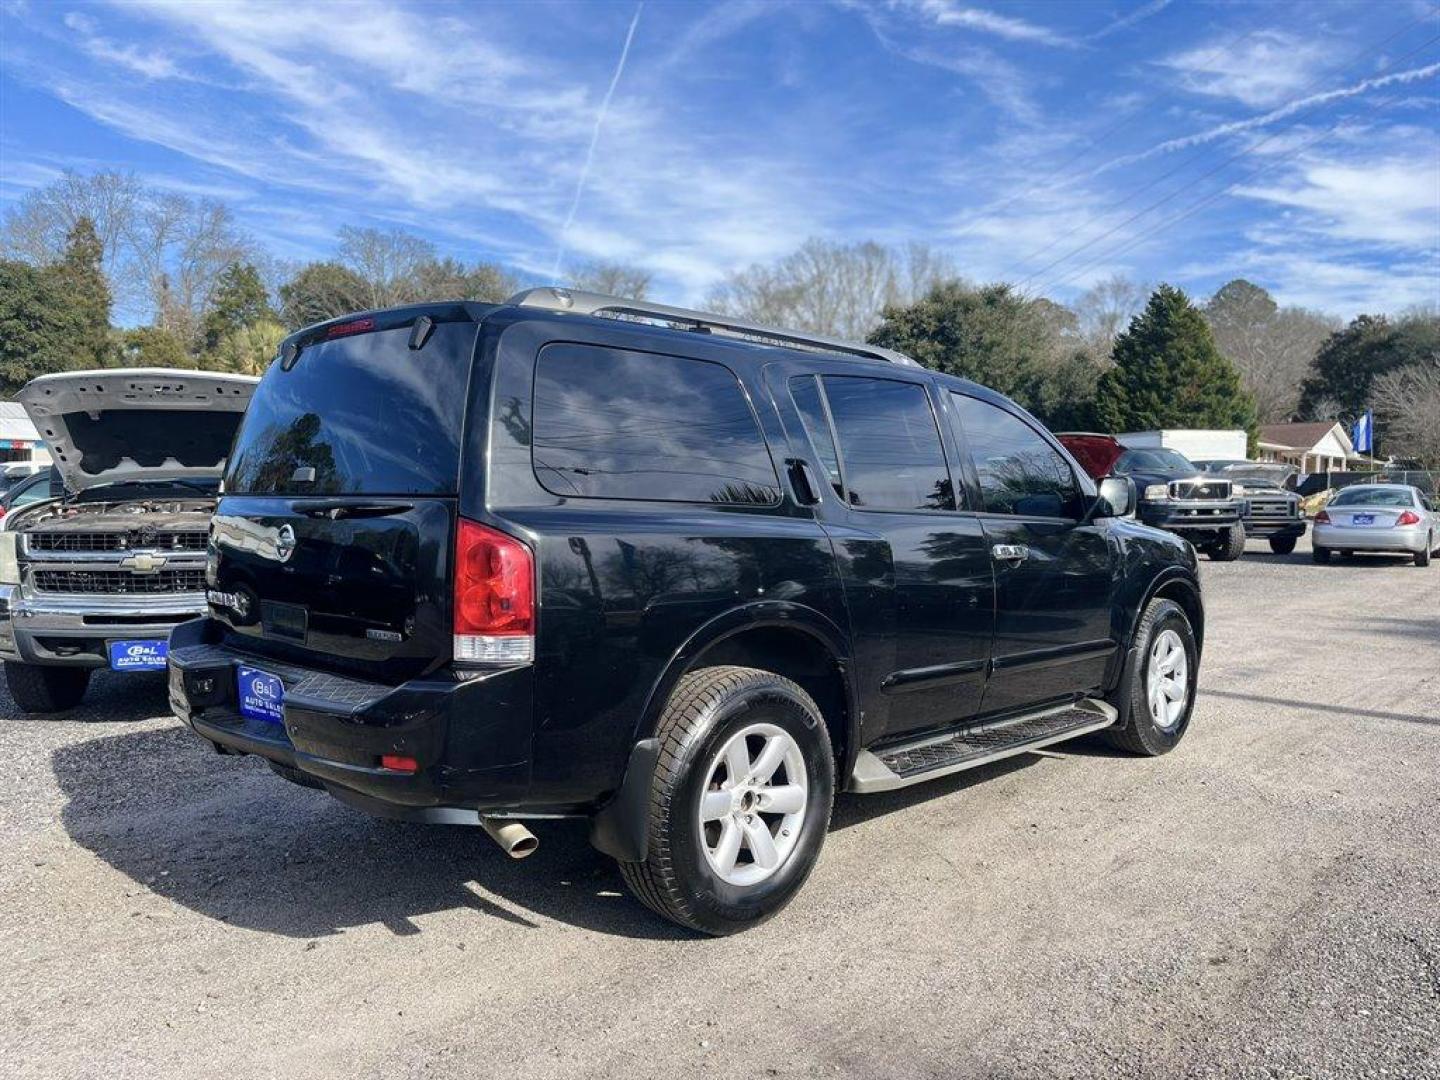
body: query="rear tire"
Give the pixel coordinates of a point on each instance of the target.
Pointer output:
(1282, 545)
(1320, 555)
(684, 876)
(40, 688)
(1230, 546)
(1145, 730)
(1422, 558)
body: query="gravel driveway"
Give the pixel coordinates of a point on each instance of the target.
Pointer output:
(1264, 902)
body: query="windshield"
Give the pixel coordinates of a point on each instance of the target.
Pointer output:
(364, 414)
(1373, 496)
(1159, 460)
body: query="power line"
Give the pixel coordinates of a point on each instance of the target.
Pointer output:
(1200, 204)
(1203, 176)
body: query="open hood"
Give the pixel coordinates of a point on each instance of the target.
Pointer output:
(151, 424)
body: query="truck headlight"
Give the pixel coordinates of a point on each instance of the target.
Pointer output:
(1156, 493)
(9, 562)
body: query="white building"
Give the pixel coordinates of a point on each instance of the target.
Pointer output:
(1323, 446)
(19, 441)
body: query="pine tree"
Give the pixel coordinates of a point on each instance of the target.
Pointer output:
(82, 285)
(1169, 374)
(239, 301)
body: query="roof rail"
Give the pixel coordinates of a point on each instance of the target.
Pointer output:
(577, 302)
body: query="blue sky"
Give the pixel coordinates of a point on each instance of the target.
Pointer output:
(1046, 143)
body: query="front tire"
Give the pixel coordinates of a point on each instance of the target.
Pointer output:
(1230, 546)
(41, 688)
(1157, 693)
(1282, 545)
(740, 802)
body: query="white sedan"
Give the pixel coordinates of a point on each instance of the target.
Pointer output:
(1392, 518)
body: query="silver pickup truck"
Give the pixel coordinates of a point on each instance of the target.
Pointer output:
(98, 577)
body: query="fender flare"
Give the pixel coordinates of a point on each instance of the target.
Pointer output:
(620, 828)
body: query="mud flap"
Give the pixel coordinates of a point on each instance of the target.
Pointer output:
(621, 828)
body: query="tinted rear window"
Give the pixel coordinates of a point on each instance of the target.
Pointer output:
(364, 415)
(617, 424)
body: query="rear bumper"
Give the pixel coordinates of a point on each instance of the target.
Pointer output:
(470, 737)
(1338, 537)
(75, 630)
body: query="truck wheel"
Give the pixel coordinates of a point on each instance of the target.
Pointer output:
(40, 688)
(1320, 555)
(1422, 557)
(740, 802)
(1282, 545)
(1157, 692)
(1230, 546)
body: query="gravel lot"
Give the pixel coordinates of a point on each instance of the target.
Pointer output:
(1264, 902)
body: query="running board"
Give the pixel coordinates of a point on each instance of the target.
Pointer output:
(940, 755)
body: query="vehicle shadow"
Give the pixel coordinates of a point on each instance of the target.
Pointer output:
(231, 841)
(110, 699)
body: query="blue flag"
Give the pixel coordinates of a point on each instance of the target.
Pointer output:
(1364, 439)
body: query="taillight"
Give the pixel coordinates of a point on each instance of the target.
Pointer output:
(1409, 517)
(494, 597)
(1322, 518)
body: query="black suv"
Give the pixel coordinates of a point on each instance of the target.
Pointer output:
(679, 575)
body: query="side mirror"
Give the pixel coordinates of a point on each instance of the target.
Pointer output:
(1117, 497)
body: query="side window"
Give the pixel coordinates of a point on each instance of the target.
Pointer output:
(805, 392)
(890, 450)
(616, 424)
(1020, 473)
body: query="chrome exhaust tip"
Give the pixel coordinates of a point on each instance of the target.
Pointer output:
(514, 839)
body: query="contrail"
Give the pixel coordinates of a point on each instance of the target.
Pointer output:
(1269, 118)
(595, 138)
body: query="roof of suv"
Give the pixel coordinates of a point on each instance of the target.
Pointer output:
(679, 324)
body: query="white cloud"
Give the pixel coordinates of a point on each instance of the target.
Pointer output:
(950, 14)
(150, 65)
(1388, 202)
(1266, 68)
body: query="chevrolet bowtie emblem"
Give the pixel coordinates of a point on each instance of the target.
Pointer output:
(143, 564)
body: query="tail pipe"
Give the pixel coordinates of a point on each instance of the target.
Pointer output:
(514, 839)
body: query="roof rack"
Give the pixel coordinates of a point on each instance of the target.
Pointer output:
(577, 302)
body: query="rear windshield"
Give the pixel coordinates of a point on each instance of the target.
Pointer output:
(364, 415)
(1374, 497)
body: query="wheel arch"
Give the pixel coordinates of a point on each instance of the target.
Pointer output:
(789, 639)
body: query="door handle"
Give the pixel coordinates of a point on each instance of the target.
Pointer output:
(807, 492)
(1010, 552)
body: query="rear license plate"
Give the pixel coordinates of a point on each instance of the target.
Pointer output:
(138, 655)
(1363, 519)
(262, 695)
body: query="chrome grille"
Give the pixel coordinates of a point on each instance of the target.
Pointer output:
(1272, 508)
(1200, 489)
(186, 540)
(119, 582)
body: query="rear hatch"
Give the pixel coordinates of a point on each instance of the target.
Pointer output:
(332, 543)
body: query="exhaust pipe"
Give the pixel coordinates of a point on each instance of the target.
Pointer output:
(514, 839)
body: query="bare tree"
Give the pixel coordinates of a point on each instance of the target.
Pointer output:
(613, 279)
(389, 263)
(1105, 309)
(181, 247)
(829, 288)
(1269, 345)
(35, 229)
(1407, 402)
